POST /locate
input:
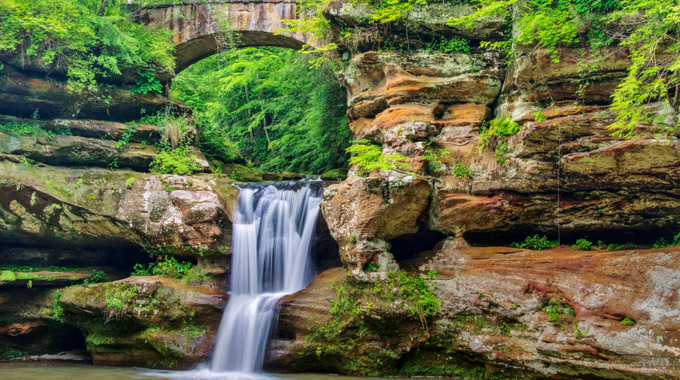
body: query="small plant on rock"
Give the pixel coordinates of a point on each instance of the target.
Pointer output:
(495, 135)
(556, 308)
(583, 245)
(662, 243)
(535, 242)
(627, 322)
(369, 157)
(461, 171)
(371, 267)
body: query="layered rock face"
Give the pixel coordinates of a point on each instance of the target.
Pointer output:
(81, 208)
(561, 172)
(505, 313)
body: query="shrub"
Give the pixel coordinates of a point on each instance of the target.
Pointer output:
(89, 39)
(450, 45)
(662, 243)
(431, 156)
(57, 310)
(461, 171)
(147, 83)
(26, 129)
(165, 267)
(175, 161)
(536, 242)
(583, 245)
(369, 157)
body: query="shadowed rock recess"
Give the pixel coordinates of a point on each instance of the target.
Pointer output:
(67, 219)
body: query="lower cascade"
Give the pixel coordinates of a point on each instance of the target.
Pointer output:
(272, 236)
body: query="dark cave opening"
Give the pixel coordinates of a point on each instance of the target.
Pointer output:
(407, 247)
(325, 250)
(638, 237)
(117, 261)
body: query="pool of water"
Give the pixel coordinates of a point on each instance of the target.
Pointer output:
(61, 371)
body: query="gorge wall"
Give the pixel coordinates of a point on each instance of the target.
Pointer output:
(505, 312)
(67, 216)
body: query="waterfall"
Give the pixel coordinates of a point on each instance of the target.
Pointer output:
(272, 235)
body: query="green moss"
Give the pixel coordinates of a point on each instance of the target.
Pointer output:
(368, 321)
(334, 175)
(243, 173)
(7, 276)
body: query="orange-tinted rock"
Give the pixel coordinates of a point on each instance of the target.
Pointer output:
(494, 318)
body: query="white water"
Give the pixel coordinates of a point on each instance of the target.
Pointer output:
(272, 235)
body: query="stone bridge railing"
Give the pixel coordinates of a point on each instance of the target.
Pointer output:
(254, 23)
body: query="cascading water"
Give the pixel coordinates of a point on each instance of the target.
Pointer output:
(272, 237)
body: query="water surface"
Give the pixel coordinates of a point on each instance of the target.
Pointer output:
(63, 371)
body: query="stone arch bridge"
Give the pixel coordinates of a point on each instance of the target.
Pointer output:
(254, 23)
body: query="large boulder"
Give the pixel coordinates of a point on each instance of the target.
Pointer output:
(146, 321)
(100, 208)
(363, 213)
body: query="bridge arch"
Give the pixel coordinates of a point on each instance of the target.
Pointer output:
(196, 25)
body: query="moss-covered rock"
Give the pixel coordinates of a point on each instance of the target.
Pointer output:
(334, 175)
(101, 208)
(243, 173)
(146, 321)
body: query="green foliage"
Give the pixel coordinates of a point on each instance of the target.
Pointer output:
(32, 130)
(577, 331)
(461, 171)
(556, 308)
(8, 353)
(165, 267)
(627, 322)
(57, 310)
(662, 243)
(268, 108)
(535, 242)
(147, 83)
(87, 38)
(539, 116)
(371, 267)
(449, 45)
(654, 73)
(129, 183)
(175, 161)
(369, 157)
(385, 11)
(494, 136)
(352, 238)
(354, 301)
(125, 137)
(431, 156)
(653, 41)
(97, 276)
(117, 298)
(583, 245)
(414, 290)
